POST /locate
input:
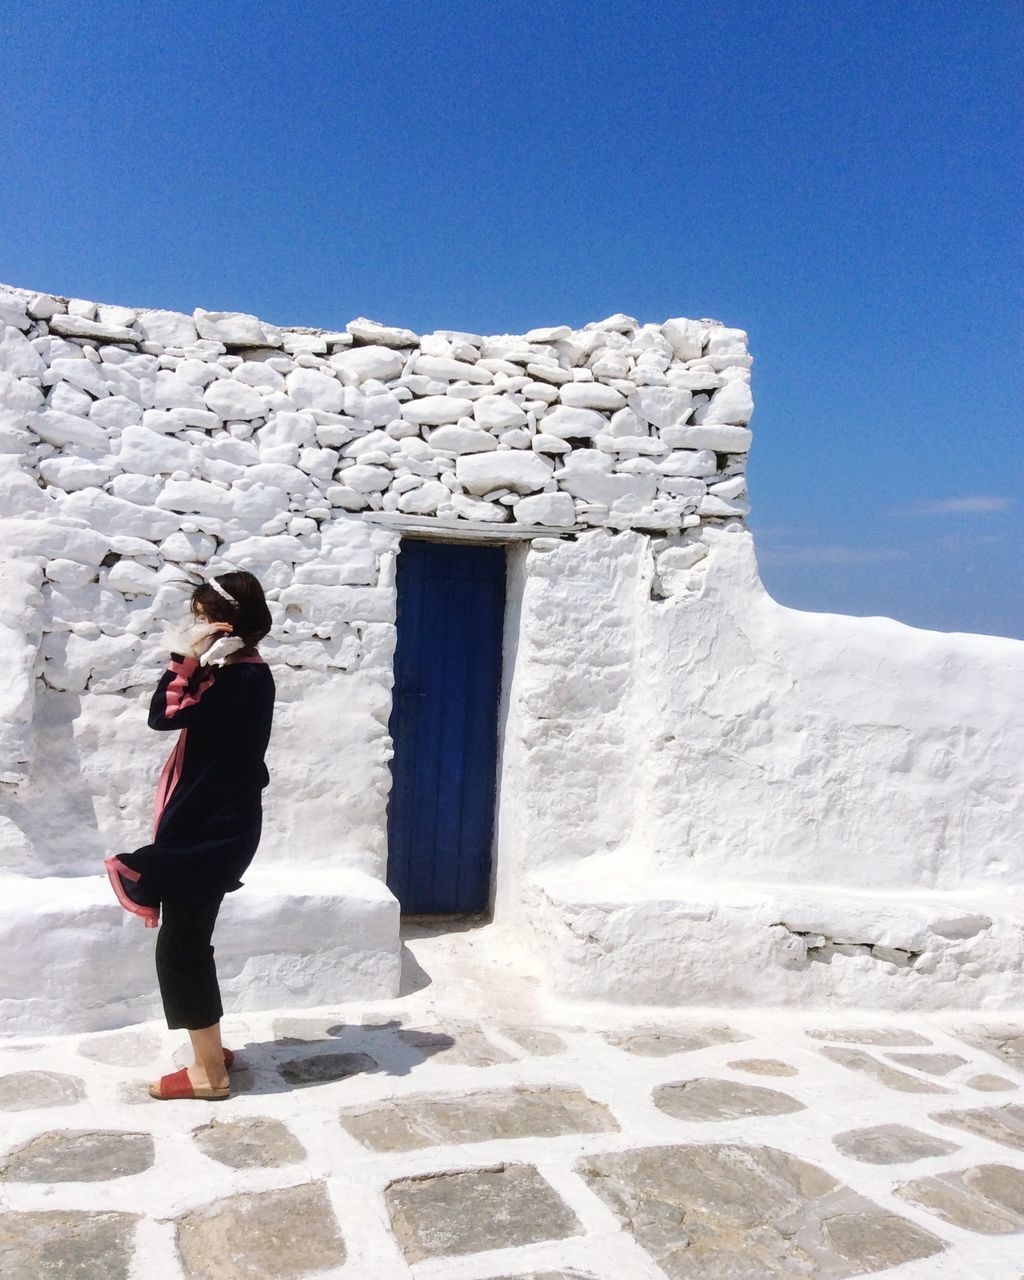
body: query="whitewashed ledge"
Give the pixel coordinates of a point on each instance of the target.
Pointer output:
(73, 958)
(473, 530)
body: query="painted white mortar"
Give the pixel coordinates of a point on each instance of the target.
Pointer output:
(701, 794)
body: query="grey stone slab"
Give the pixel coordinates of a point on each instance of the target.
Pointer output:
(895, 1036)
(764, 1067)
(651, 1042)
(29, 1090)
(262, 1235)
(258, 1142)
(61, 1244)
(424, 1120)
(79, 1155)
(1004, 1040)
(1003, 1124)
(540, 1043)
(932, 1064)
(454, 1044)
(572, 1274)
(867, 1064)
(498, 1207)
(709, 1098)
(129, 1048)
(891, 1144)
(322, 1068)
(741, 1212)
(988, 1198)
(992, 1084)
(292, 1031)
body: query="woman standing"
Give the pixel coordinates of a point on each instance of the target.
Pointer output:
(218, 692)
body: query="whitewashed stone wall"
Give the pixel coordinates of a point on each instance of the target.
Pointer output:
(699, 791)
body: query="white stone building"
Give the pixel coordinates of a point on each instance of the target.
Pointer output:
(572, 705)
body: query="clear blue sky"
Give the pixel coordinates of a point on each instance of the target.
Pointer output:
(837, 179)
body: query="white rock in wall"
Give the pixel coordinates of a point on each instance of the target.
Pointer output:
(729, 489)
(65, 428)
(311, 389)
(723, 341)
(54, 539)
(69, 573)
(13, 310)
(70, 473)
(115, 413)
(228, 399)
(17, 355)
(591, 395)
(360, 364)
(588, 474)
(383, 335)
(450, 370)
(437, 410)
(167, 328)
(70, 326)
(712, 506)
(497, 412)
(543, 442)
(662, 406)
(64, 398)
(504, 468)
(171, 391)
(112, 515)
(133, 579)
(181, 546)
(477, 509)
(566, 422)
(723, 439)
(19, 493)
(110, 314)
(143, 490)
(546, 508)
(17, 400)
(425, 500)
(686, 337)
(235, 328)
(733, 404)
(365, 478)
(689, 462)
(148, 451)
(458, 439)
(682, 486)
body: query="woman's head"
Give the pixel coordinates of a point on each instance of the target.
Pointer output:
(249, 617)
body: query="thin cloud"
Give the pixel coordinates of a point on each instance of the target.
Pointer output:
(975, 503)
(828, 554)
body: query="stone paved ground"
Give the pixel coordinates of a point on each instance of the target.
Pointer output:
(470, 1130)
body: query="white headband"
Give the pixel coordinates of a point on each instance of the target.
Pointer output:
(217, 587)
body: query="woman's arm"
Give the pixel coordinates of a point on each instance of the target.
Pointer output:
(184, 695)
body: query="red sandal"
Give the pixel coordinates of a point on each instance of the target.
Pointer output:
(178, 1085)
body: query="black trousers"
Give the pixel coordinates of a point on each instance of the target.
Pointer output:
(184, 960)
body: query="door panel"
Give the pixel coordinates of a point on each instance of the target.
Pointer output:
(451, 602)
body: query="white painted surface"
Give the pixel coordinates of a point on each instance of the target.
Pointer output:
(666, 728)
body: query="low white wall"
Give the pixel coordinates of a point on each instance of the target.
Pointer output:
(669, 736)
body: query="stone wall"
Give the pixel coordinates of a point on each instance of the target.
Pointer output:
(701, 794)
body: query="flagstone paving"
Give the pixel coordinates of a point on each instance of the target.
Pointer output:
(471, 1130)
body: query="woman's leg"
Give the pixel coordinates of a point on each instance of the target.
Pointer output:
(209, 1053)
(188, 979)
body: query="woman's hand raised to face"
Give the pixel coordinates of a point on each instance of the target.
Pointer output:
(201, 635)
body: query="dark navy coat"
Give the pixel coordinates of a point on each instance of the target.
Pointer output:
(209, 805)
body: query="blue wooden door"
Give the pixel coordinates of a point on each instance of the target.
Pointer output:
(451, 604)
